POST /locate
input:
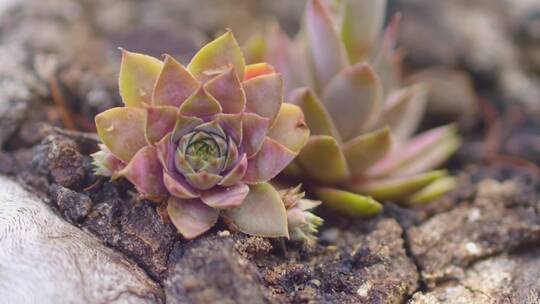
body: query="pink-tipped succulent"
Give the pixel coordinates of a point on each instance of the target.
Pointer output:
(303, 225)
(344, 72)
(204, 139)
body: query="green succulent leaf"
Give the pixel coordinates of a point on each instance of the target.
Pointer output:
(348, 203)
(362, 24)
(317, 117)
(215, 58)
(122, 131)
(433, 191)
(191, 217)
(138, 74)
(397, 188)
(262, 213)
(323, 160)
(365, 150)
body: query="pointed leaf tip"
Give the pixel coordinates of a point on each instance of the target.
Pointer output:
(215, 57)
(138, 74)
(349, 203)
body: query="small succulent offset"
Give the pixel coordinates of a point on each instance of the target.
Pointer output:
(344, 71)
(303, 225)
(205, 139)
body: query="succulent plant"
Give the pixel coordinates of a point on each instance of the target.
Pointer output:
(303, 225)
(344, 71)
(205, 139)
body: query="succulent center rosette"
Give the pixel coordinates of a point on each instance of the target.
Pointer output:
(205, 139)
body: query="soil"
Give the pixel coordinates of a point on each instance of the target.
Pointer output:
(479, 244)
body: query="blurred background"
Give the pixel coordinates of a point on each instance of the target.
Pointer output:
(481, 57)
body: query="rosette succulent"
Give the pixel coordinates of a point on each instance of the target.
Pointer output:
(343, 70)
(204, 139)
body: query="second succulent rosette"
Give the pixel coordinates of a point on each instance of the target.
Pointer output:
(205, 139)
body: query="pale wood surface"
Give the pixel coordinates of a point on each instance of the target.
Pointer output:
(44, 259)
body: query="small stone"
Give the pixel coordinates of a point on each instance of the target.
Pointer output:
(224, 233)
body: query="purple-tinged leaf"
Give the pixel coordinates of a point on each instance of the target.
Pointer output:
(191, 217)
(184, 125)
(236, 173)
(264, 95)
(261, 214)
(178, 187)
(353, 99)
(200, 104)
(254, 128)
(122, 131)
(146, 173)
(232, 124)
(225, 197)
(227, 90)
(271, 159)
(160, 121)
(202, 180)
(258, 69)
(174, 84)
(328, 51)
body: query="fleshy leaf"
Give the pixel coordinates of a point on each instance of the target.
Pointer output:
(232, 154)
(174, 84)
(159, 122)
(232, 123)
(316, 116)
(178, 187)
(395, 107)
(348, 203)
(412, 116)
(262, 213)
(227, 90)
(418, 148)
(105, 163)
(254, 132)
(215, 57)
(191, 217)
(396, 188)
(289, 128)
(352, 99)
(236, 173)
(184, 125)
(122, 131)
(271, 159)
(202, 180)
(225, 197)
(328, 52)
(361, 27)
(145, 172)
(432, 191)
(258, 69)
(322, 159)
(365, 150)
(138, 74)
(200, 104)
(264, 95)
